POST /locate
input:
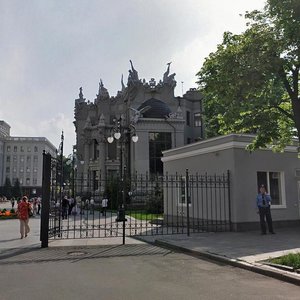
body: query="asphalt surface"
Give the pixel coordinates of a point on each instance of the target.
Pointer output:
(247, 250)
(140, 271)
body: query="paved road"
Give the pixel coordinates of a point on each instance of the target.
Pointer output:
(105, 269)
(130, 272)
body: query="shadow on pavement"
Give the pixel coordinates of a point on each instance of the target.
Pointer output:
(77, 254)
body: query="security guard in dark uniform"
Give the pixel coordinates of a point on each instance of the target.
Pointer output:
(263, 202)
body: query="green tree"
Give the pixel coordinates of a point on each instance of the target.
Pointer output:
(251, 83)
(7, 188)
(67, 169)
(16, 189)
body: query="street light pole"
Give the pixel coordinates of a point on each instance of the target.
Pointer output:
(73, 172)
(61, 180)
(123, 133)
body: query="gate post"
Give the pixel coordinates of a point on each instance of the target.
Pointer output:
(123, 205)
(44, 233)
(229, 200)
(187, 201)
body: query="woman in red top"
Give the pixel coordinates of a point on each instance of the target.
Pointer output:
(23, 212)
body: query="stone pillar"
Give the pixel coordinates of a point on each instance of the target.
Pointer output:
(86, 165)
(102, 158)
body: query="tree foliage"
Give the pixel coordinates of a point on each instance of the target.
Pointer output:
(251, 83)
(7, 188)
(16, 189)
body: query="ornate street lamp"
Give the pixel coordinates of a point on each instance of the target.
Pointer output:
(119, 130)
(124, 134)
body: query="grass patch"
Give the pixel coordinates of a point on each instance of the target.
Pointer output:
(144, 215)
(290, 260)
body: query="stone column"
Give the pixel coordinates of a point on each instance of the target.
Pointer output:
(102, 158)
(86, 165)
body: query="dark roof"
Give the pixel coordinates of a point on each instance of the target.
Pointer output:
(158, 109)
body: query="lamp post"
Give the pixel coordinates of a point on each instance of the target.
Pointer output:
(74, 168)
(71, 161)
(123, 134)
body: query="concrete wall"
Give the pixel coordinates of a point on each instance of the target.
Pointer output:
(228, 153)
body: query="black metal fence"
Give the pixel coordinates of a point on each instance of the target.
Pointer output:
(137, 205)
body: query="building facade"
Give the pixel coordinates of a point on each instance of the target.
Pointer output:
(4, 133)
(279, 172)
(22, 158)
(132, 129)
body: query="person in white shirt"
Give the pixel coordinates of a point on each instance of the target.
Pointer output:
(87, 204)
(104, 205)
(92, 202)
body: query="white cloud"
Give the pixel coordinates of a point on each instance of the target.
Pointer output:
(50, 128)
(50, 48)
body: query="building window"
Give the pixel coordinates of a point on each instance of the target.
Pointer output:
(197, 120)
(15, 158)
(28, 159)
(29, 149)
(158, 142)
(27, 181)
(35, 170)
(7, 169)
(21, 181)
(36, 149)
(8, 148)
(22, 158)
(188, 118)
(274, 182)
(112, 151)
(21, 148)
(8, 159)
(15, 149)
(112, 174)
(21, 170)
(96, 149)
(34, 181)
(94, 180)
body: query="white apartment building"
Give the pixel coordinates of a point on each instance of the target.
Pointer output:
(22, 158)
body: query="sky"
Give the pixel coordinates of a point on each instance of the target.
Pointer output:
(50, 48)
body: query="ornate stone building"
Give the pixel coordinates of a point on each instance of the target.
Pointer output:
(147, 111)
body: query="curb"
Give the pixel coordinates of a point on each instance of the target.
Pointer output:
(263, 270)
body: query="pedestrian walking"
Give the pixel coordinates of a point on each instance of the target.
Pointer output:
(87, 203)
(12, 203)
(104, 205)
(65, 206)
(23, 212)
(92, 206)
(34, 203)
(38, 205)
(71, 205)
(263, 202)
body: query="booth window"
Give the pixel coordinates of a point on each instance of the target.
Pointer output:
(274, 185)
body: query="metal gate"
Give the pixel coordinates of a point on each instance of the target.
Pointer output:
(137, 205)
